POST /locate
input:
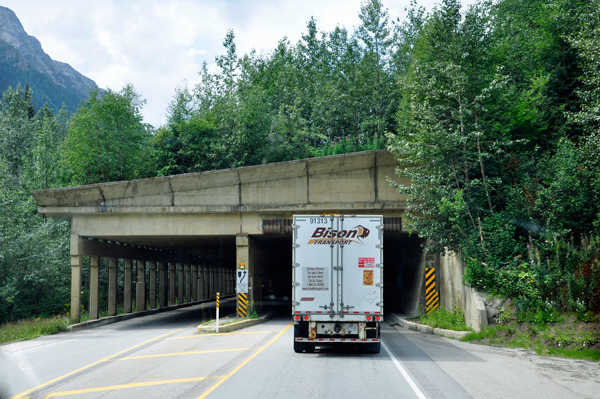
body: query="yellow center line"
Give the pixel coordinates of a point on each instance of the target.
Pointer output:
(182, 353)
(222, 380)
(230, 333)
(89, 365)
(134, 385)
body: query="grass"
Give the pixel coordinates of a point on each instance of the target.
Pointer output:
(567, 336)
(23, 330)
(441, 318)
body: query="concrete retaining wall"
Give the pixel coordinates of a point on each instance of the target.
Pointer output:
(453, 293)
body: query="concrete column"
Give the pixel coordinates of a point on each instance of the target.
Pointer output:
(221, 281)
(216, 280)
(194, 282)
(171, 284)
(211, 281)
(162, 285)
(127, 286)
(140, 287)
(94, 307)
(187, 284)
(201, 290)
(244, 261)
(76, 264)
(180, 285)
(112, 286)
(152, 292)
(206, 283)
(227, 282)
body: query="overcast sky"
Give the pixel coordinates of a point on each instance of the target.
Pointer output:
(155, 45)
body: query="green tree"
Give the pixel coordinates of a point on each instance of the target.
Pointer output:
(34, 251)
(377, 87)
(106, 138)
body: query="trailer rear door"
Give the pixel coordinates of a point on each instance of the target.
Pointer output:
(338, 266)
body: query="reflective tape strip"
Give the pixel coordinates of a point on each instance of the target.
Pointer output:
(367, 340)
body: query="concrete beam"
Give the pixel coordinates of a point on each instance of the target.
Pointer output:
(104, 249)
(349, 182)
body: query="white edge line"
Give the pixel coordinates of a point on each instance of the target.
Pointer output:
(412, 384)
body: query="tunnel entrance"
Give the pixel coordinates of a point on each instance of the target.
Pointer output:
(276, 284)
(402, 256)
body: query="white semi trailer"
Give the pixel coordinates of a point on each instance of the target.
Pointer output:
(337, 280)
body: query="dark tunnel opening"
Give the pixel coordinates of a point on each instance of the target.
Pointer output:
(402, 258)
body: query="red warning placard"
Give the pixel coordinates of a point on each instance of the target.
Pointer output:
(366, 262)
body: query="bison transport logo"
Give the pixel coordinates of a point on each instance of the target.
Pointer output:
(323, 236)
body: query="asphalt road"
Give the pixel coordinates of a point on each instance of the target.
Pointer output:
(161, 356)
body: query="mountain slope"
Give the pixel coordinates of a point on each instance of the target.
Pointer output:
(22, 60)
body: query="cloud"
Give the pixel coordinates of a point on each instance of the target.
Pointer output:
(155, 45)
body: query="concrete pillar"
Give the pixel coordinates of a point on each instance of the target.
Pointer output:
(180, 285)
(94, 307)
(187, 284)
(171, 283)
(162, 285)
(244, 261)
(127, 286)
(194, 282)
(201, 289)
(211, 282)
(215, 279)
(227, 282)
(221, 281)
(206, 283)
(140, 287)
(112, 286)
(76, 264)
(152, 291)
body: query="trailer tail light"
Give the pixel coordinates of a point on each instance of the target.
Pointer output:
(377, 318)
(297, 318)
(306, 318)
(369, 318)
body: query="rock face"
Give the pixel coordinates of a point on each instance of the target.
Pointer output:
(31, 61)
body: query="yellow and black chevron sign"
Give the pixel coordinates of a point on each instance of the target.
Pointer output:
(432, 298)
(218, 297)
(242, 301)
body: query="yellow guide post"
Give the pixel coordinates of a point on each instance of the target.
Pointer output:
(218, 295)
